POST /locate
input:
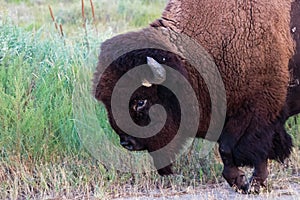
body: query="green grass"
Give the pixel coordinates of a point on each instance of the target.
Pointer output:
(40, 151)
(119, 16)
(36, 88)
(47, 112)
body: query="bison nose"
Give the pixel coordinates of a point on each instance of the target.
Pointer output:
(128, 143)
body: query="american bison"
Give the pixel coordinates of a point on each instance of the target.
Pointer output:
(255, 46)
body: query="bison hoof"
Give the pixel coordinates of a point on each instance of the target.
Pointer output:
(236, 179)
(241, 184)
(256, 185)
(166, 171)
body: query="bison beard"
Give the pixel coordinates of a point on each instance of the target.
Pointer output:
(254, 126)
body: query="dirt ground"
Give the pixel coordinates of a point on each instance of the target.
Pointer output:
(280, 191)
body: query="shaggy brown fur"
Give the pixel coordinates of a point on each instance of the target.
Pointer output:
(251, 44)
(251, 38)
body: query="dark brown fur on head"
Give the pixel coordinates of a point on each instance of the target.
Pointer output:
(155, 94)
(146, 97)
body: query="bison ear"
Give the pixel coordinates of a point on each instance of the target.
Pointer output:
(159, 73)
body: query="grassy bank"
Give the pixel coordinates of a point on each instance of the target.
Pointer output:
(41, 151)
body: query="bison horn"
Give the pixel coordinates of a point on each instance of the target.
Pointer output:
(159, 73)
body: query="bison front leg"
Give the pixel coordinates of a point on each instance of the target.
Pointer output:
(165, 171)
(233, 175)
(234, 130)
(260, 174)
(163, 163)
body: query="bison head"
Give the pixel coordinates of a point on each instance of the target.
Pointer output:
(162, 69)
(149, 93)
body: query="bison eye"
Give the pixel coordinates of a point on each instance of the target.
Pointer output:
(141, 103)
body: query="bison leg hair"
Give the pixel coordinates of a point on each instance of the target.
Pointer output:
(233, 175)
(252, 151)
(231, 135)
(280, 139)
(240, 144)
(259, 177)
